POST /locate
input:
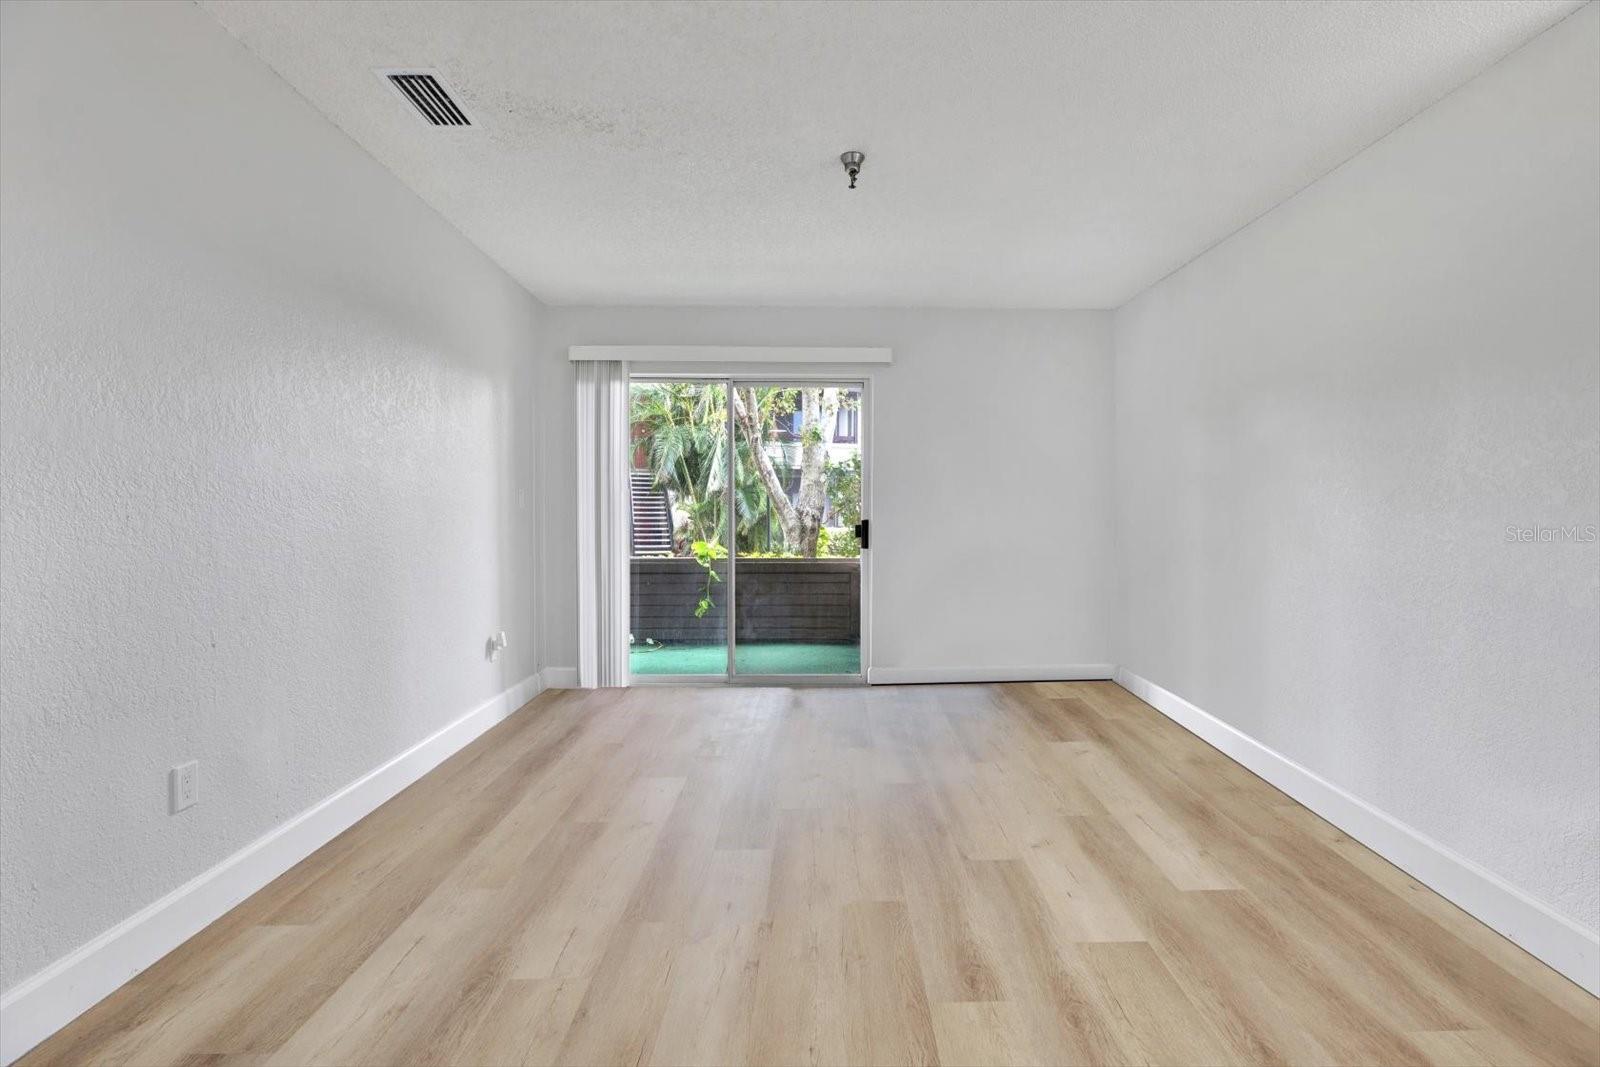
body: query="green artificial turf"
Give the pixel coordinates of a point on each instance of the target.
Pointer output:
(767, 658)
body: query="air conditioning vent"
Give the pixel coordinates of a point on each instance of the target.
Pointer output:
(427, 94)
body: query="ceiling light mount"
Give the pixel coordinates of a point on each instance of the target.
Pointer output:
(852, 165)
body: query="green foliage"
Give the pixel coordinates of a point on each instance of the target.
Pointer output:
(840, 541)
(683, 426)
(706, 553)
(844, 489)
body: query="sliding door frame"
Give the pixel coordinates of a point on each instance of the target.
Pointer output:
(863, 435)
(729, 382)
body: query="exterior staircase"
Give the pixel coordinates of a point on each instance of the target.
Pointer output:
(652, 516)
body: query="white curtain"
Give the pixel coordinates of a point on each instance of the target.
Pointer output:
(603, 518)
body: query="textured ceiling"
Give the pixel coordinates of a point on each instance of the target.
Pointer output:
(1018, 154)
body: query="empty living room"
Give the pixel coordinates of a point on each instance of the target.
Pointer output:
(766, 532)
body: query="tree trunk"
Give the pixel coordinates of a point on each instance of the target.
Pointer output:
(746, 413)
(818, 408)
(802, 517)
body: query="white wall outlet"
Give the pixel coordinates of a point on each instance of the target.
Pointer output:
(496, 645)
(183, 785)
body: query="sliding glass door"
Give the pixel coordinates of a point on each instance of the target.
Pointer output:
(797, 578)
(747, 530)
(678, 576)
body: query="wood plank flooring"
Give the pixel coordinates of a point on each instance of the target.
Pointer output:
(1044, 873)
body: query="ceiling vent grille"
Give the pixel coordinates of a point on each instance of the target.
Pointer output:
(428, 95)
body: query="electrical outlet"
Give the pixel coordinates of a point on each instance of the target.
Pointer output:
(183, 784)
(495, 645)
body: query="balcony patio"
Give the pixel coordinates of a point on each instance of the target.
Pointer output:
(794, 616)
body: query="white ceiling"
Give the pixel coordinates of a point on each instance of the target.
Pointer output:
(1018, 154)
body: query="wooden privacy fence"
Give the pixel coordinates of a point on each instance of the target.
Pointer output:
(779, 600)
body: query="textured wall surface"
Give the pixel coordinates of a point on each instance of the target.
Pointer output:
(265, 416)
(991, 471)
(1324, 427)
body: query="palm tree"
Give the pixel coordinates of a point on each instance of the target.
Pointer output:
(683, 427)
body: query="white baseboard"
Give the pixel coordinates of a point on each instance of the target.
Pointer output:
(39, 1006)
(560, 677)
(1559, 942)
(1069, 672)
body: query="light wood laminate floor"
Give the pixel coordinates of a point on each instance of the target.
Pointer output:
(1044, 873)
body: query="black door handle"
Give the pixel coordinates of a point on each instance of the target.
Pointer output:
(861, 532)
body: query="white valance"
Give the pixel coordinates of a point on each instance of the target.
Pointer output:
(726, 354)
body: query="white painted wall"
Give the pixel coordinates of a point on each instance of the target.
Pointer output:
(1324, 427)
(265, 418)
(991, 470)
(266, 423)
